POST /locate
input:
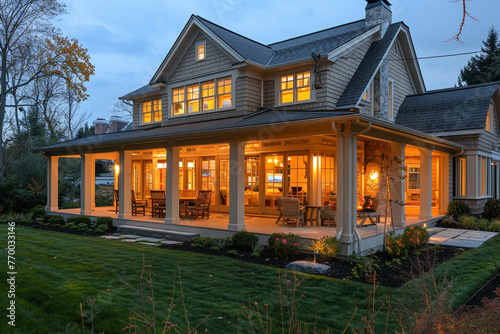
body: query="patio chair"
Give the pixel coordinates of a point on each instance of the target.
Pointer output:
(157, 203)
(329, 213)
(291, 210)
(280, 202)
(202, 205)
(117, 201)
(138, 205)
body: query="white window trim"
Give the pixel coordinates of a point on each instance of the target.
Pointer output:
(152, 111)
(369, 98)
(278, 88)
(204, 43)
(390, 100)
(461, 173)
(185, 84)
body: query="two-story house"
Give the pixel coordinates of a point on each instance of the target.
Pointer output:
(317, 117)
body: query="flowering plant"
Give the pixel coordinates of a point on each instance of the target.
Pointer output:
(285, 245)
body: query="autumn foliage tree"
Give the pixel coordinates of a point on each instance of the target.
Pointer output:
(32, 49)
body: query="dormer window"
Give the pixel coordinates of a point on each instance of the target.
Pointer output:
(151, 111)
(209, 95)
(200, 51)
(295, 87)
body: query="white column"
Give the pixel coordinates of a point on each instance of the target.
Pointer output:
(172, 186)
(397, 186)
(87, 169)
(236, 186)
(315, 177)
(52, 184)
(425, 184)
(346, 188)
(444, 191)
(125, 184)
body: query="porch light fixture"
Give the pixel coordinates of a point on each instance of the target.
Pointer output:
(373, 174)
(117, 169)
(161, 165)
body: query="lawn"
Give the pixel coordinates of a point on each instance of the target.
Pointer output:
(58, 271)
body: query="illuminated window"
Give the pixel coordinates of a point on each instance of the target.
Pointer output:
(151, 111)
(206, 96)
(462, 174)
(178, 101)
(200, 51)
(484, 176)
(490, 118)
(295, 87)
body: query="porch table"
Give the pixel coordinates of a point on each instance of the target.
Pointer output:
(183, 204)
(315, 213)
(364, 215)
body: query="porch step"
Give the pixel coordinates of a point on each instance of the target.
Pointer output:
(158, 233)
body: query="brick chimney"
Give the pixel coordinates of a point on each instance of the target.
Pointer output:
(101, 126)
(378, 12)
(116, 124)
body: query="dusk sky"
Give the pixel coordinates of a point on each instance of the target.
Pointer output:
(127, 40)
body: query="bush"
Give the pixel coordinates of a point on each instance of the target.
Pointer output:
(457, 208)
(396, 246)
(494, 226)
(415, 237)
(272, 239)
(37, 212)
(55, 220)
(102, 228)
(83, 227)
(108, 221)
(203, 242)
(78, 220)
(492, 209)
(326, 247)
(286, 245)
(244, 240)
(468, 222)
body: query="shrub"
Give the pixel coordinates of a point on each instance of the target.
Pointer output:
(286, 245)
(82, 227)
(255, 254)
(77, 220)
(214, 248)
(37, 212)
(482, 224)
(468, 222)
(203, 242)
(492, 209)
(326, 247)
(494, 226)
(272, 239)
(415, 237)
(108, 221)
(232, 252)
(244, 240)
(55, 220)
(449, 222)
(457, 208)
(102, 228)
(396, 246)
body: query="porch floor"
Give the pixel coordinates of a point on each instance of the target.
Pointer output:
(259, 224)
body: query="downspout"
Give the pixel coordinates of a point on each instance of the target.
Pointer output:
(368, 128)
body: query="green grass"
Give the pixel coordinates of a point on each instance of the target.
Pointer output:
(58, 271)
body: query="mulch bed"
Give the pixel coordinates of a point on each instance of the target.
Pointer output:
(388, 272)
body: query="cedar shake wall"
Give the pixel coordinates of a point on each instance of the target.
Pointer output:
(269, 94)
(248, 94)
(215, 60)
(398, 72)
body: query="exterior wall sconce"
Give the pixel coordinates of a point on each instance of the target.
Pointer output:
(373, 174)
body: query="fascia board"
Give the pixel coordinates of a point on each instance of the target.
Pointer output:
(352, 44)
(193, 22)
(411, 58)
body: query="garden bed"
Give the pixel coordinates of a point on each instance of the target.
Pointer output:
(389, 272)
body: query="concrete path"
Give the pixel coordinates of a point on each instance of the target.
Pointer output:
(458, 237)
(139, 239)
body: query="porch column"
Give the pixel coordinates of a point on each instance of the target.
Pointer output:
(444, 191)
(172, 186)
(346, 188)
(425, 183)
(86, 191)
(236, 186)
(52, 184)
(315, 172)
(125, 184)
(397, 186)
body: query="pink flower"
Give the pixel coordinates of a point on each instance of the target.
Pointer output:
(278, 239)
(284, 241)
(295, 244)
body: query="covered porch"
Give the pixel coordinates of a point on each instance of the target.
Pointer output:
(333, 160)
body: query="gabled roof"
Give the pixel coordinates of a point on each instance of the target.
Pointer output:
(141, 92)
(452, 109)
(368, 67)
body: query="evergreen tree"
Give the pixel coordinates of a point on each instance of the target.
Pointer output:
(484, 67)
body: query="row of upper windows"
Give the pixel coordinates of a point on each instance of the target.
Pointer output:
(217, 94)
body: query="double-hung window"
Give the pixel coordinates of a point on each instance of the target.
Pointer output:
(151, 111)
(203, 96)
(295, 87)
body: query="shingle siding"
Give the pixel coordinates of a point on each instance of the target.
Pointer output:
(398, 72)
(188, 68)
(248, 94)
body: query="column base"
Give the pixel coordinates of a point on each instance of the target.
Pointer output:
(51, 209)
(400, 224)
(236, 227)
(425, 217)
(85, 212)
(172, 221)
(124, 216)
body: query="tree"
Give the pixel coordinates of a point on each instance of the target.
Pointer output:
(31, 49)
(484, 67)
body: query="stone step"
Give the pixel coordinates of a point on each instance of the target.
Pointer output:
(158, 233)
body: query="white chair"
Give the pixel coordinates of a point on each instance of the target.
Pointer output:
(291, 210)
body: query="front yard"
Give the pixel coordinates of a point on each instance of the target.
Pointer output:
(58, 271)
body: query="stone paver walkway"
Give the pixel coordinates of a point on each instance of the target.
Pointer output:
(140, 239)
(458, 237)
